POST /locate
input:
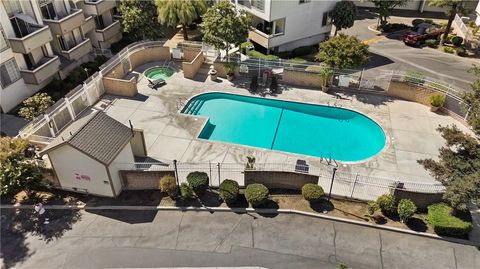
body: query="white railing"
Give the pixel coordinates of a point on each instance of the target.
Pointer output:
(462, 29)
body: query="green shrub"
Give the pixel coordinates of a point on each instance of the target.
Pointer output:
(372, 207)
(312, 192)
(416, 22)
(256, 194)
(432, 43)
(297, 60)
(457, 41)
(285, 54)
(449, 38)
(245, 45)
(461, 52)
(256, 54)
(437, 100)
(305, 50)
(230, 67)
(229, 191)
(185, 191)
(429, 21)
(35, 105)
(405, 209)
(444, 223)
(198, 181)
(386, 203)
(168, 184)
(448, 49)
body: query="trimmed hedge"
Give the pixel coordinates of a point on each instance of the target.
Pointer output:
(432, 43)
(444, 223)
(256, 194)
(312, 192)
(256, 54)
(168, 184)
(387, 203)
(448, 50)
(229, 191)
(198, 181)
(457, 41)
(406, 208)
(185, 191)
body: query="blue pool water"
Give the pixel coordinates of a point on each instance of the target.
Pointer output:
(314, 130)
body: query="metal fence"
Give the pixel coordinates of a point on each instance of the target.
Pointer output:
(345, 184)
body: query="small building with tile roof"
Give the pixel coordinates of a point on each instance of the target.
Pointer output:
(87, 155)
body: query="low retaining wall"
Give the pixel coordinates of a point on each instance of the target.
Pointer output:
(190, 53)
(280, 180)
(153, 54)
(190, 69)
(142, 180)
(421, 200)
(410, 92)
(302, 78)
(120, 87)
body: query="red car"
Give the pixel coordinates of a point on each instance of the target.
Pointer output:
(422, 32)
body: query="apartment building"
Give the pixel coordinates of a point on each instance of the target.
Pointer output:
(285, 25)
(45, 39)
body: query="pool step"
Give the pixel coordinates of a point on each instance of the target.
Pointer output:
(189, 107)
(197, 107)
(194, 107)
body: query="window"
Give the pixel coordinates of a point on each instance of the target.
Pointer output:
(9, 73)
(326, 19)
(303, 1)
(12, 7)
(279, 27)
(48, 10)
(3, 40)
(259, 4)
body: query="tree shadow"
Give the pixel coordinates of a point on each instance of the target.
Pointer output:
(241, 202)
(17, 224)
(417, 225)
(128, 216)
(210, 199)
(366, 98)
(377, 60)
(269, 204)
(378, 219)
(322, 206)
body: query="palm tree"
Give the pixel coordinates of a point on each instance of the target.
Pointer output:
(184, 12)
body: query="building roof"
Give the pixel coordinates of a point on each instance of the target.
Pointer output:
(97, 135)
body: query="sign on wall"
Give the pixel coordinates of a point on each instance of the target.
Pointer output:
(82, 177)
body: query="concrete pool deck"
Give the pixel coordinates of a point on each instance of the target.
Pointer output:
(410, 127)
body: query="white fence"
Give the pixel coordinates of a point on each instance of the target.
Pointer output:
(345, 184)
(460, 27)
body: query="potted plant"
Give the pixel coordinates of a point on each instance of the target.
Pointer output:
(327, 75)
(436, 101)
(213, 73)
(230, 70)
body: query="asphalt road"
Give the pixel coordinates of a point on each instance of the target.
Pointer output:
(389, 53)
(124, 239)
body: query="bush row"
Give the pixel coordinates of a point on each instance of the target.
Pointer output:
(441, 217)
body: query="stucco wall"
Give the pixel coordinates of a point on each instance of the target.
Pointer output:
(142, 180)
(421, 200)
(190, 53)
(120, 87)
(410, 92)
(70, 164)
(300, 78)
(190, 69)
(116, 72)
(285, 180)
(124, 157)
(138, 143)
(147, 55)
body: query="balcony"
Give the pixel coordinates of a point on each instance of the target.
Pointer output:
(98, 7)
(78, 51)
(108, 32)
(88, 25)
(38, 36)
(47, 68)
(259, 37)
(67, 23)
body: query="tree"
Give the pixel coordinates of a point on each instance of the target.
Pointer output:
(184, 12)
(224, 26)
(35, 106)
(452, 8)
(139, 18)
(386, 7)
(458, 165)
(343, 15)
(18, 171)
(343, 52)
(405, 209)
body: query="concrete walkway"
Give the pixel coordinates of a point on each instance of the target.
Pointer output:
(115, 238)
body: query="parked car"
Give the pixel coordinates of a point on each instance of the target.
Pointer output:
(422, 32)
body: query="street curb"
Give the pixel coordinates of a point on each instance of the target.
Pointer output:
(373, 30)
(246, 210)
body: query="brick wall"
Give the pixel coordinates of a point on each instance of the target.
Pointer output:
(142, 180)
(284, 180)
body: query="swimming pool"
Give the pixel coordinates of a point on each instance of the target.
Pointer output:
(315, 130)
(158, 72)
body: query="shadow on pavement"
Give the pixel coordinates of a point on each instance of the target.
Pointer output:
(128, 216)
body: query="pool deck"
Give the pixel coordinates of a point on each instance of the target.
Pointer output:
(410, 127)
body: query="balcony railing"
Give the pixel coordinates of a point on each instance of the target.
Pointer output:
(37, 38)
(78, 51)
(259, 37)
(48, 67)
(67, 23)
(98, 7)
(108, 32)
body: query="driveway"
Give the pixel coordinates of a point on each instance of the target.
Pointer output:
(390, 53)
(111, 239)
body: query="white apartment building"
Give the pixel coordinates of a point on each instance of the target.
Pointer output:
(285, 25)
(44, 39)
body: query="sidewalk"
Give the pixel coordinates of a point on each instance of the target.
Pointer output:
(474, 235)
